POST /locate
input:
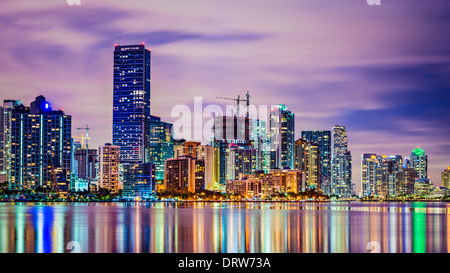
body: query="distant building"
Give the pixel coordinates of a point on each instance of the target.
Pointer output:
(248, 187)
(239, 160)
(341, 164)
(40, 151)
(211, 157)
(323, 140)
(307, 159)
(282, 138)
(131, 103)
(261, 143)
(161, 144)
(419, 162)
(232, 129)
(382, 175)
(184, 174)
(108, 170)
(445, 178)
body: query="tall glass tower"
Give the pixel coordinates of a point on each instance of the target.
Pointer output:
(131, 105)
(282, 137)
(323, 140)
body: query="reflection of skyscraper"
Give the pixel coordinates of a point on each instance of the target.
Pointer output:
(323, 139)
(40, 146)
(282, 137)
(419, 162)
(341, 164)
(131, 104)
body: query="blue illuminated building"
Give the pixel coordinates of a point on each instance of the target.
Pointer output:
(131, 103)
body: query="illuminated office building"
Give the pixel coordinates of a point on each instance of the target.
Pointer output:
(131, 103)
(40, 151)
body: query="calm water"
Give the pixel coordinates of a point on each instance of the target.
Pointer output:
(224, 227)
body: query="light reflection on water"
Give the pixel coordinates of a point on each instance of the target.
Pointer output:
(225, 227)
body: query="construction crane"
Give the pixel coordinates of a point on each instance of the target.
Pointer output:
(237, 100)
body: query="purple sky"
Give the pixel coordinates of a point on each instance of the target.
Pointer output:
(381, 71)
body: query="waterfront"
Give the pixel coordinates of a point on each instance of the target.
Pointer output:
(231, 227)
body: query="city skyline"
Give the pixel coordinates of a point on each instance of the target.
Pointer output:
(403, 106)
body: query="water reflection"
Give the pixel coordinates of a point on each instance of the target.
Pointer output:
(225, 227)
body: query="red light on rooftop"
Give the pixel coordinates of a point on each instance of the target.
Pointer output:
(143, 43)
(115, 44)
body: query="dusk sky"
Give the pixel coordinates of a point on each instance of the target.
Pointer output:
(381, 71)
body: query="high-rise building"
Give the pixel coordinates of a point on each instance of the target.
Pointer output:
(108, 167)
(307, 159)
(5, 137)
(131, 103)
(445, 178)
(341, 164)
(419, 162)
(161, 144)
(282, 137)
(40, 151)
(370, 164)
(261, 143)
(323, 140)
(341, 178)
(184, 174)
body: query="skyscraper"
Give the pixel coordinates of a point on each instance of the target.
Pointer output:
(341, 164)
(307, 159)
(419, 162)
(323, 139)
(282, 137)
(40, 151)
(5, 137)
(131, 103)
(383, 175)
(445, 178)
